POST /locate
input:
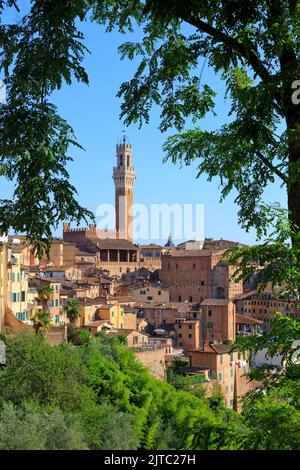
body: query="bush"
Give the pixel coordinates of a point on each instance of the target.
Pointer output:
(31, 427)
(96, 395)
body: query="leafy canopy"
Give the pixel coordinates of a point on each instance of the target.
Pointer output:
(37, 54)
(253, 47)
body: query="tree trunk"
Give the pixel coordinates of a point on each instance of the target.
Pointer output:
(293, 189)
(290, 71)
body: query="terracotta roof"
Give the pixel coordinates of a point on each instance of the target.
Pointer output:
(55, 268)
(98, 323)
(126, 332)
(219, 348)
(222, 241)
(120, 298)
(193, 253)
(245, 320)
(89, 301)
(113, 243)
(179, 306)
(212, 302)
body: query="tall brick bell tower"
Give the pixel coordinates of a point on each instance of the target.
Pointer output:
(124, 178)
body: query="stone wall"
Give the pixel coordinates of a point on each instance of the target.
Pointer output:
(154, 360)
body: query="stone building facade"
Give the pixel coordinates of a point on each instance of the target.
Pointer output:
(195, 275)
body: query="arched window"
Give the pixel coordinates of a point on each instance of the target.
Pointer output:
(128, 161)
(121, 160)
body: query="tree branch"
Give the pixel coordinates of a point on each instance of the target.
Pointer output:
(247, 53)
(273, 168)
(244, 51)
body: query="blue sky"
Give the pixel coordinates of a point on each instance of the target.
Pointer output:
(93, 112)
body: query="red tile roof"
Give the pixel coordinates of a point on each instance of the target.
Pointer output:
(246, 320)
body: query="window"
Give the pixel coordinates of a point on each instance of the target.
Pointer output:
(23, 296)
(128, 161)
(191, 299)
(180, 326)
(179, 298)
(190, 335)
(13, 277)
(142, 292)
(179, 335)
(56, 288)
(202, 283)
(18, 277)
(52, 303)
(194, 266)
(210, 324)
(220, 376)
(21, 316)
(221, 359)
(190, 327)
(56, 318)
(159, 292)
(56, 302)
(231, 357)
(231, 372)
(135, 340)
(209, 313)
